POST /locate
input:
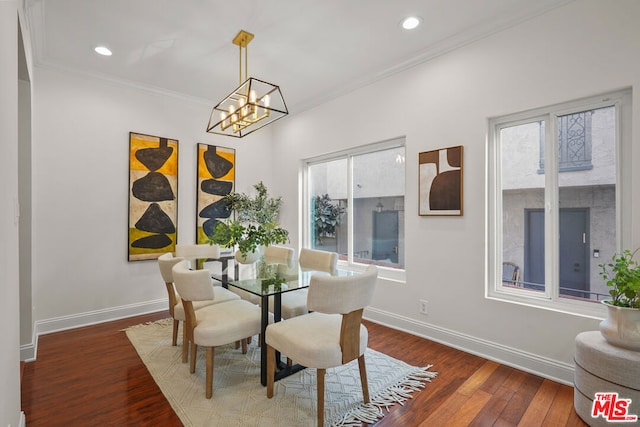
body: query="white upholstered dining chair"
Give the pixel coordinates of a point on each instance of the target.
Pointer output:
(295, 303)
(331, 335)
(214, 325)
(317, 260)
(279, 255)
(274, 255)
(176, 309)
(197, 252)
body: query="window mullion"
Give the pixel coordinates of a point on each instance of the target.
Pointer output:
(495, 207)
(350, 210)
(551, 237)
(304, 212)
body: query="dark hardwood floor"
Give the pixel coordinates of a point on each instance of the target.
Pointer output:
(93, 376)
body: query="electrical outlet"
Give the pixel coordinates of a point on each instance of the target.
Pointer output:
(423, 306)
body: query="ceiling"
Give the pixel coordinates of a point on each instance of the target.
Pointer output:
(313, 49)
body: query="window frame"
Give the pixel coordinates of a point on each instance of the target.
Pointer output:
(391, 274)
(550, 299)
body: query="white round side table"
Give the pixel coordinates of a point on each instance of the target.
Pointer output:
(604, 368)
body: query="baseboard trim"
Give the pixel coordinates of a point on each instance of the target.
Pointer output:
(28, 352)
(552, 369)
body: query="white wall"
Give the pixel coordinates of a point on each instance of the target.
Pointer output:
(584, 48)
(24, 196)
(9, 303)
(80, 192)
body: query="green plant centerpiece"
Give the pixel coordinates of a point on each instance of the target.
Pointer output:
(327, 216)
(621, 327)
(255, 225)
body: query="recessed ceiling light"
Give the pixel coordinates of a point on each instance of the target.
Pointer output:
(103, 50)
(411, 22)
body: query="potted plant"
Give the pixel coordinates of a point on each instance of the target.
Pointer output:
(254, 227)
(621, 327)
(326, 216)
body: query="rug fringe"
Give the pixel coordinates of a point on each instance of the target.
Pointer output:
(161, 322)
(399, 392)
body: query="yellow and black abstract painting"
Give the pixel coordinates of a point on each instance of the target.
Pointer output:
(216, 179)
(153, 196)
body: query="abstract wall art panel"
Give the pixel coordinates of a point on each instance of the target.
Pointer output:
(440, 186)
(216, 179)
(153, 196)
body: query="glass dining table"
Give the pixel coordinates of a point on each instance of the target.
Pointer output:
(267, 288)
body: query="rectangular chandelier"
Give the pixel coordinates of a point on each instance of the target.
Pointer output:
(251, 106)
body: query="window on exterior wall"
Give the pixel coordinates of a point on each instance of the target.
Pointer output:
(554, 219)
(355, 204)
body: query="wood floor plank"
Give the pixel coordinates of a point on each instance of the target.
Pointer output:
(478, 378)
(469, 410)
(539, 406)
(490, 413)
(561, 408)
(512, 413)
(497, 379)
(446, 411)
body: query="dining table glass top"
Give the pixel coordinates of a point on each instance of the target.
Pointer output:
(281, 282)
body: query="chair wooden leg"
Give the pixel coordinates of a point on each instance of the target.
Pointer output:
(321, 373)
(185, 343)
(271, 369)
(363, 378)
(237, 344)
(176, 325)
(194, 352)
(209, 375)
(244, 346)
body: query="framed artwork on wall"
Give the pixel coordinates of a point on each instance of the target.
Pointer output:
(440, 182)
(153, 196)
(216, 173)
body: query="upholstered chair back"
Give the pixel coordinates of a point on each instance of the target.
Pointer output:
(166, 263)
(198, 251)
(317, 260)
(279, 255)
(192, 285)
(342, 294)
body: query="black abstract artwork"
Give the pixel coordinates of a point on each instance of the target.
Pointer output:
(216, 179)
(153, 187)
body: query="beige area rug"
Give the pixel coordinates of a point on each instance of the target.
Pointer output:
(240, 400)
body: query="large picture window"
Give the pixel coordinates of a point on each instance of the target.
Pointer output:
(554, 218)
(354, 204)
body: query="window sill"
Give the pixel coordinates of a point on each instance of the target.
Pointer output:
(590, 310)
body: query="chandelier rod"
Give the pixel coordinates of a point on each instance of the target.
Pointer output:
(242, 40)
